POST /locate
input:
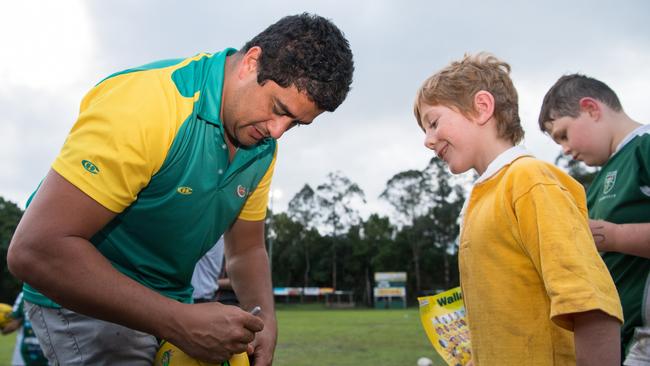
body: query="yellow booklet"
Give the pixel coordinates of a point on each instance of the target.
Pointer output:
(443, 319)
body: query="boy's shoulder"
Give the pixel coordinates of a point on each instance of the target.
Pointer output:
(634, 146)
(530, 167)
(527, 172)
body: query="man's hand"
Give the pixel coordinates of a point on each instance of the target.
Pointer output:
(213, 332)
(248, 268)
(264, 345)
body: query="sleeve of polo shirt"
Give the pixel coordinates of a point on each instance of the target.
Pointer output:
(556, 236)
(125, 128)
(643, 156)
(255, 206)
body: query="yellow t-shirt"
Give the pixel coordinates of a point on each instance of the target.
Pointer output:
(527, 262)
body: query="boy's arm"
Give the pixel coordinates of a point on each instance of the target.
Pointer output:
(597, 339)
(631, 239)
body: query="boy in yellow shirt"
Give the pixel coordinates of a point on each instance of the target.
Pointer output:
(535, 290)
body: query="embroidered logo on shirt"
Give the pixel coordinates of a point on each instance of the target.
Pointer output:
(90, 167)
(241, 191)
(184, 190)
(166, 357)
(610, 181)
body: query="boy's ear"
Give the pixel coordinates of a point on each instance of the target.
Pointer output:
(590, 106)
(483, 106)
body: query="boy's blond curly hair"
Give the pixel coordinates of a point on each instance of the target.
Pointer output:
(455, 87)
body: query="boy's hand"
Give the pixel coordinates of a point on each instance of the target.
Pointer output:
(605, 235)
(630, 238)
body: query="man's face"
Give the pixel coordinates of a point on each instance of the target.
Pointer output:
(259, 111)
(581, 138)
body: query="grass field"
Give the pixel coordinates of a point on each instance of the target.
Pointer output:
(313, 335)
(6, 348)
(317, 336)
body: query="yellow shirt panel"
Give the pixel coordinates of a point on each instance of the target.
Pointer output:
(528, 261)
(125, 128)
(255, 207)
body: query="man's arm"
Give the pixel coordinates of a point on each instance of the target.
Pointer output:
(631, 239)
(597, 339)
(248, 269)
(51, 251)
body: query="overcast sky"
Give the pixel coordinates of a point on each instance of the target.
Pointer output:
(53, 52)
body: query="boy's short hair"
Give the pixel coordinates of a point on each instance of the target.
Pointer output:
(563, 99)
(455, 86)
(309, 52)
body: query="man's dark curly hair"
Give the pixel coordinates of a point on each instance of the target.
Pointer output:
(307, 51)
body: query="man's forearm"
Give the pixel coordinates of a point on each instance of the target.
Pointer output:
(76, 276)
(251, 280)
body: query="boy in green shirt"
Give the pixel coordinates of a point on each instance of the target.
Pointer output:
(586, 118)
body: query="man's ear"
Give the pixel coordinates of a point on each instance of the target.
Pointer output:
(248, 63)
(483, 106)
(590, 106)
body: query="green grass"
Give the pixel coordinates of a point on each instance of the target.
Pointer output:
(318, 336)
(7, 348)
(313, 335)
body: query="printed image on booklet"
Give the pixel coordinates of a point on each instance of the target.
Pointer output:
(443, 319)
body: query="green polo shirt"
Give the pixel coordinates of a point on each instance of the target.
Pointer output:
(620, 193)
(149, 145)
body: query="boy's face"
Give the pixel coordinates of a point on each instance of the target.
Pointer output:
(451, 135)
(581, 138)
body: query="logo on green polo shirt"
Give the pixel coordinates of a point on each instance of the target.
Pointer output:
(184, 190)
(241, 191)
(610, 181)
(90, 167)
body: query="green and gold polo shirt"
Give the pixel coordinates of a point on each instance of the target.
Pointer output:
(149, 145)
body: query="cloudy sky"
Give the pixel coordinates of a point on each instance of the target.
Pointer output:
(51, 53)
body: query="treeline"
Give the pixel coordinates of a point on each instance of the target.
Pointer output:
(10, 215)
(322, 241)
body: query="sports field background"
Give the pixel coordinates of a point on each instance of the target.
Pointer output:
(313, 335)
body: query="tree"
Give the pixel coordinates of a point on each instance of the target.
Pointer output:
(360, 247)
(448, 202)
(427, 204)
(411, 195)
(303, 208)
(338, 199)
(10, 215)
(288, 257)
